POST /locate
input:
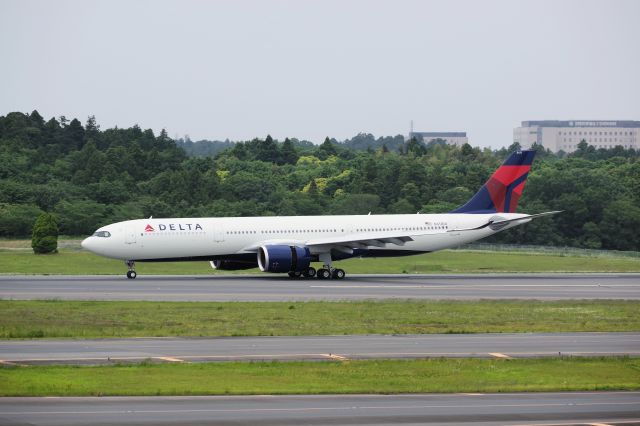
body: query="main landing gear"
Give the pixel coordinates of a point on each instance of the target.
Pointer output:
(328, 272)
(131, 273)
(331, 273)
(322, 273)
(310, 272)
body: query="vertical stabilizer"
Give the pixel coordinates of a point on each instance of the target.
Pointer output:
(503, 189)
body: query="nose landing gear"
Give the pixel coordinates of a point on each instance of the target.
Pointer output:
(131, 273)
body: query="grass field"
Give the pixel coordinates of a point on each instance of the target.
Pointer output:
(78, 319)
(432, 375)
(75, 262)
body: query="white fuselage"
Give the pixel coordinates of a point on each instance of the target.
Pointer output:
(186, 238)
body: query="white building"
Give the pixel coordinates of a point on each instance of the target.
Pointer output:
(451, 138)
(566, 135)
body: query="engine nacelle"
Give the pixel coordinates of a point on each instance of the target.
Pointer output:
(232, 264)
(283, 258)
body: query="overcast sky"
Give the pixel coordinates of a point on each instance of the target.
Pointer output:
(310, 69)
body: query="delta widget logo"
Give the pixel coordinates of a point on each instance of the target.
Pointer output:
(174, 227)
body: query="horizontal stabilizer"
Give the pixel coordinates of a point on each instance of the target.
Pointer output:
(497, 222)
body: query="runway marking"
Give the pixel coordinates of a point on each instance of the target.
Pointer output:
(617, 422)
(344, 408)
(170, 359)
(476, 286)
(392, 355)
(338, 357)
(101, 358)
(499, 355)
(3, 362)
(237, 356)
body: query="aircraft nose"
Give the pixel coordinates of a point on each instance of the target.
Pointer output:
(85, 243)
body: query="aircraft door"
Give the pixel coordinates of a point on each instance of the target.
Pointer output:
(218, 234)
(130, 235)
(453, 224)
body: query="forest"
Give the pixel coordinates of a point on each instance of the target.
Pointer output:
(88, 177)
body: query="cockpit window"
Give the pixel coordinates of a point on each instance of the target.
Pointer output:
(103, 234)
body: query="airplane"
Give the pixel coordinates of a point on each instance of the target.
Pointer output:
(290, 244)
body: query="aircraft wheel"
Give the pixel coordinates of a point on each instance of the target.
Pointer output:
(324, 274)
(338, 274)
(295, 274)
(310, 272)
(131, 275)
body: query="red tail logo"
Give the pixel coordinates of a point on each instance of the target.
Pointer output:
(149, 228)
(503, 190)
(506, 185)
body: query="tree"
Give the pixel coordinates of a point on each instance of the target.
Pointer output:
(80, 217)
(288, 154)
(467, 151)
(74, 135)
(415, 147)
(620, 226)
(16, 220)
(44, 237)
(402, 206)
(90, 176)
(515, 147)
(313, 189)
(327, 149)
(36, 119)
(239, 151)
(355, 204)
(268, 150)
(91, 127)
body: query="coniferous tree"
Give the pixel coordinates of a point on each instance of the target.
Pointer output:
(44, 237)
(288, 154)
(327, 148)
(268, 150)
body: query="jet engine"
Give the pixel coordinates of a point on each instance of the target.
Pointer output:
(281, 258)
(232, 264)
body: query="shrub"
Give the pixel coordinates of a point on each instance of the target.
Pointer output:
(44, 237)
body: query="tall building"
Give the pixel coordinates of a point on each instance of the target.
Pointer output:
(559, 135)
(452, 138)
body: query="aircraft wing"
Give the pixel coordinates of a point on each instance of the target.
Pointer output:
(497, 222)
(347, 243)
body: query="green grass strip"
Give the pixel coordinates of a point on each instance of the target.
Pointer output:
(69, 262)
(431, 375)
(89, 319)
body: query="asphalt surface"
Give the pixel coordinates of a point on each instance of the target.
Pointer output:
(479, 409)
(516, 345)
(268, 287)
(505, 409)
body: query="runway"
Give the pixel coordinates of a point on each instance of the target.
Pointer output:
(515, 345)
(356, 287)
(611, 408)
